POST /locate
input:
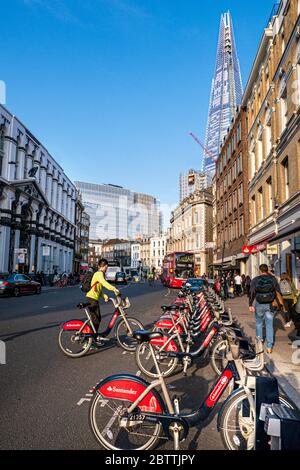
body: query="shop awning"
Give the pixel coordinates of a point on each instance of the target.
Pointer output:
(291, 231)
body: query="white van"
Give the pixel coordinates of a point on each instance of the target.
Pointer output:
(111, 272)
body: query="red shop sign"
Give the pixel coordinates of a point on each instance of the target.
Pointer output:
(247, 250)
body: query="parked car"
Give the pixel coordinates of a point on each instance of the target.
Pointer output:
(18, 284)
(196, 284)
(121, 278)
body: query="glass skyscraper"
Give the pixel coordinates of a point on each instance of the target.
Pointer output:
(226, 93)
(118, 213)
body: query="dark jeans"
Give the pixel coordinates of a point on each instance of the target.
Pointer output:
(288, 304)
(238, 289)
(94, 311)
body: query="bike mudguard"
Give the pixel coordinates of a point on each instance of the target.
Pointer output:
(129, 387)
(235, 392)
(170, 347)
(168, 324)
(76, 325)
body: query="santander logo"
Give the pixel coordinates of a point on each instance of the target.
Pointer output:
(219, 387)
(121, 390)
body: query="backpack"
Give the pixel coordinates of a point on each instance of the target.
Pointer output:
(86, 283)
(297, 305)
(285, 287)
(265, 290)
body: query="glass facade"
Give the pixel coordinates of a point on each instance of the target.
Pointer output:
(118, 213)
(226, 93)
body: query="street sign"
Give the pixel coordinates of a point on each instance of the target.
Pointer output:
(272, 250)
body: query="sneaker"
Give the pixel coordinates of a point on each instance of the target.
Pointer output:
(269, 350)
(288, 324)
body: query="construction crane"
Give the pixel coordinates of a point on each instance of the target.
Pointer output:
(207, 152)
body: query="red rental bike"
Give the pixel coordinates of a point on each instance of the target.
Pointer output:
(76, 337)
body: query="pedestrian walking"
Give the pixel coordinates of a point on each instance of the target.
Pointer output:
(238, 284)
(264, 290)
(289, 294)
(296, 316)
(247, 285)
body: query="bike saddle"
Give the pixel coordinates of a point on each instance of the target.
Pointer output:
(143, 336)
(82, 305)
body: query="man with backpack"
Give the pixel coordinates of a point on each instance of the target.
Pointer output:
(264, 289)
(289, 294)
(93, 285)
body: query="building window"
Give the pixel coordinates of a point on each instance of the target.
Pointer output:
(283, 103)
(259, 149)
(228, 152)
(1, 152)
(234, 200)
(253, 201)
(234, 172)
(221, 168)
(230, 232)
(224, 184)
(286, 182)
(241, 227)
(224, 159)
(239, 133)
(232, 143)
(269, 195)
(261, 203)
(229, 178)
(230, 205)
(240, 164)
(240, 194)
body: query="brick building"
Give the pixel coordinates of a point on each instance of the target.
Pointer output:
(231, 214)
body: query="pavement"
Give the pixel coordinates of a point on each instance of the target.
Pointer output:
(284, 362)
(45, 396)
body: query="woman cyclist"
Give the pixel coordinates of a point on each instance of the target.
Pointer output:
(96, 292)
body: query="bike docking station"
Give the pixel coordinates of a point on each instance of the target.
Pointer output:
(277, 427)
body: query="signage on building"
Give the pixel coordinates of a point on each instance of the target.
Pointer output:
(46, 251)
(272, 250)
(248, 250)
(233, 260)
(20, 251)
(210, 245)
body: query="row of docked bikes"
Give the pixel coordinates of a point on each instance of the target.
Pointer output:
(128, 412)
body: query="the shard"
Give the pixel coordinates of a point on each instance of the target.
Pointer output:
(226, 93)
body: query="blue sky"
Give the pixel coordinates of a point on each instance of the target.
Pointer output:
(112, 87)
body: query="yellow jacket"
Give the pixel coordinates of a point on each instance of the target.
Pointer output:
(98, 282)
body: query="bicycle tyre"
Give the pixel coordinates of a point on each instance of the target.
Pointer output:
(231, 407)
(218, 359)
(144, 348)
(68, 351)
(98, 407)
(122, 339)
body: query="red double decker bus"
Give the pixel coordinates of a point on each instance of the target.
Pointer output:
(178, 267)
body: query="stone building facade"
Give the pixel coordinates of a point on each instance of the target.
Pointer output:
(272, 100)
(37, 204)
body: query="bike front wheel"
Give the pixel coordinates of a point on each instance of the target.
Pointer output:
(237, 422)
(145, 363)
(105, 421)
(73, 344)
(218, 357)
(124, 337)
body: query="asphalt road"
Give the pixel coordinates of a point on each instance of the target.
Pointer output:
(44, 395)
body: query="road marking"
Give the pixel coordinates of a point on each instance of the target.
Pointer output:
(124, 352)
(82, 400)
(89, 394)
(46, 306)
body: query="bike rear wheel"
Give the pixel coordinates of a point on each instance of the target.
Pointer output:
(146, 364)
(72, 344)
(105, 417)
(237, 422)
(124, 338)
